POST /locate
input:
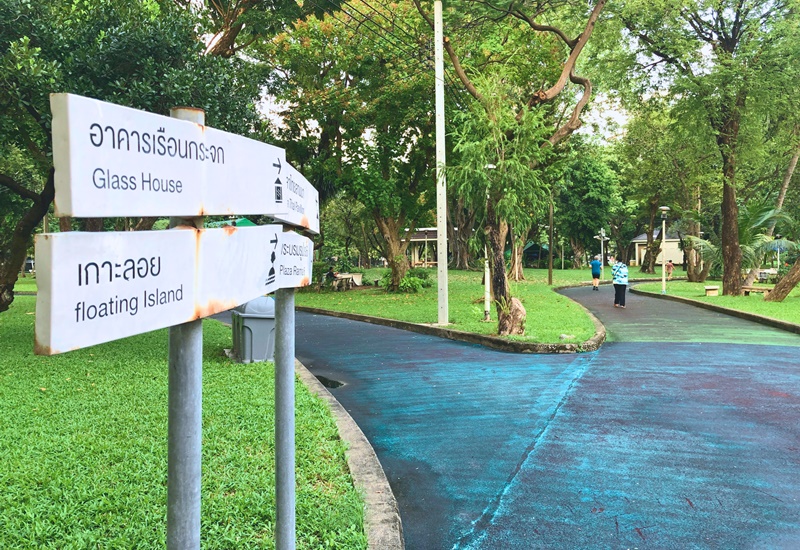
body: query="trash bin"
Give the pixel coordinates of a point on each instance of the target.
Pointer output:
(254, 330)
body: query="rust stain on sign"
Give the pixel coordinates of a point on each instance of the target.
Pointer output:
(212, 307)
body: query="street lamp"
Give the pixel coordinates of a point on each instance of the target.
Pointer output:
(779, 237)
(664, 210)
(602, 238)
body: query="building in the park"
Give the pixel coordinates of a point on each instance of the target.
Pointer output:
(422, 250)
(671, 248)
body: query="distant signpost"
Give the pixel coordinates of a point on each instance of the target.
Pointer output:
(97, 287)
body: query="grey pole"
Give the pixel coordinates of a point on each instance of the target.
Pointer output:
(441, 180)
(284, 420)
(185, 413)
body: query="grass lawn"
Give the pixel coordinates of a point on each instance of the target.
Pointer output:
(83, 442)
(788, 310)
(550, 315)
(25, 284)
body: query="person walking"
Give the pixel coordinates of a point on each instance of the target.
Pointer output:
(619, 272)
(596, 266)
(670, 267)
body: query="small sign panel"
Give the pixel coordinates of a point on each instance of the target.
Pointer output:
(117, 161)
(99, 287)
(300, 198)
(239, 264)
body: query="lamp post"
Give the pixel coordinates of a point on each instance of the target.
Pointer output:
(602, 238)
(664, 210)
(778, 249)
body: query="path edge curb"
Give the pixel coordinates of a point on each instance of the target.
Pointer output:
(768, 321)
(382, 521)
(494, 342)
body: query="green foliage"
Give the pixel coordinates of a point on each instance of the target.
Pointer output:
(84, 447)
(422, 274)
(500, 155)
(589, 194)
(318, 270)
(410, 284)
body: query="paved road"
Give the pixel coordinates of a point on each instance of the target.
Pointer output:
(680, 432)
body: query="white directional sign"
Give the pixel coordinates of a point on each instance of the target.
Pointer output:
(299, 197)
(99, 287)
(237, 265)
(117, 161)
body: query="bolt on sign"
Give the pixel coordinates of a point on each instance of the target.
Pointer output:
(117, 161)
(99, 287)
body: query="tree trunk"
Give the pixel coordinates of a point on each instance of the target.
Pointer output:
(145, 224)
(727, 130)
(515, 272)
(394, 248)
(18, 250)
(93, 224)
(459, 231)
(578, 252)
(653, 247)
(510, 312)
(785, 285)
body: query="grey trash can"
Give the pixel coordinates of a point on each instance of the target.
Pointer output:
(254, 330)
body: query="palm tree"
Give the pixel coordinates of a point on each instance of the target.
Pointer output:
(755, 240)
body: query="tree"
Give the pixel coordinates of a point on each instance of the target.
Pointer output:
(146, 55)
(723, 61)
(536, 71)
(359, 119)
(590, 193)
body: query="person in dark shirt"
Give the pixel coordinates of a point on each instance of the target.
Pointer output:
(596, 266)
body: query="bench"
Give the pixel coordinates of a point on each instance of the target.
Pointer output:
(712, 291)
(758, 289)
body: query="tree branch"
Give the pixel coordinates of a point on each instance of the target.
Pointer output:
(18, 188)
(567, 73)
(462, 75)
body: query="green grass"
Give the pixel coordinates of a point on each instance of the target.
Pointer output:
(25, 284)
(83, 442)
(550, 315)
(788, 310)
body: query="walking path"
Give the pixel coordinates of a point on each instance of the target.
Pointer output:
(680, 432)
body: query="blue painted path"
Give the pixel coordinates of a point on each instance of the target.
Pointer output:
(685, 441)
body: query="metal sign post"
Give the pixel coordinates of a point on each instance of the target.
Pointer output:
(185, 415)
(284, 420)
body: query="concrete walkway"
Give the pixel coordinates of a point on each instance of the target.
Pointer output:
(682, 431)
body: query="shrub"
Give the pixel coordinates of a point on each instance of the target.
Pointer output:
(422, 274)
(410, 284)
(407, 284)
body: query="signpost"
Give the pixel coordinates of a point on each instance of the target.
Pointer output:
(98, 287)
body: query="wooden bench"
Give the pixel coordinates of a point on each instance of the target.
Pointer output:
(762, 289)
(712, 291)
